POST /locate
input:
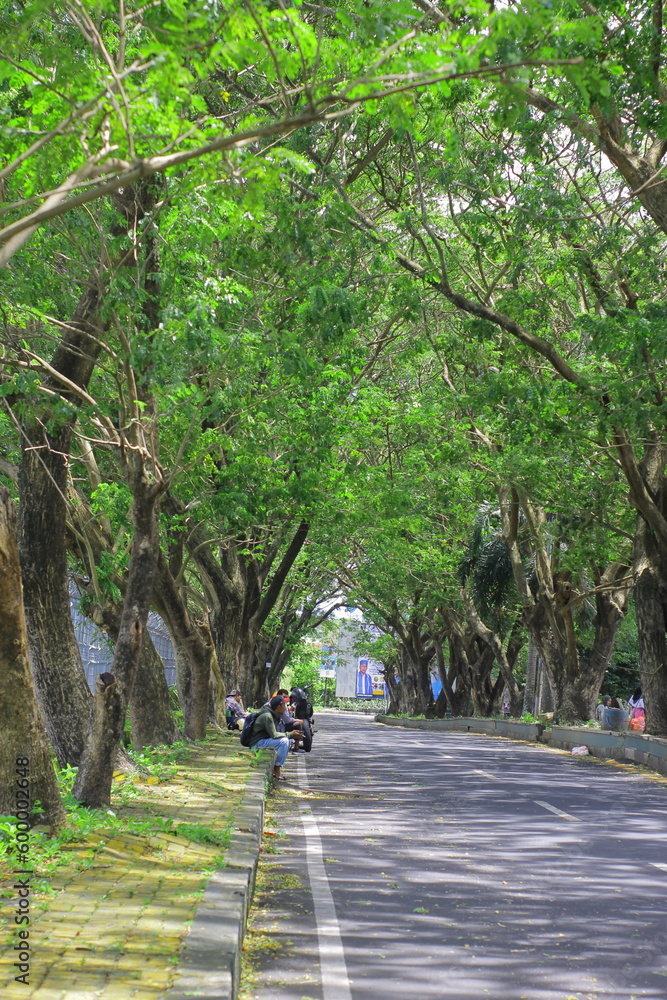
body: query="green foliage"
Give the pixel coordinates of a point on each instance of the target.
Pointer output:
(304, 667)
(201, 834)
(487, 566)
(71, 846)
(622, 675)
(364, 706)
(309, 359)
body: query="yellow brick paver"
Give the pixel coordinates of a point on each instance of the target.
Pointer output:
(114, 931)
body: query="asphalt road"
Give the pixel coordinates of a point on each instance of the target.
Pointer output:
(454, 867)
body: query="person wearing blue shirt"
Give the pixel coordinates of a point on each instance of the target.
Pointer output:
(364, 681)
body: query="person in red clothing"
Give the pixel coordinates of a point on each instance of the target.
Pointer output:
(637, 711)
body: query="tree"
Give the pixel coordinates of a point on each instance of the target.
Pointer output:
(428, 292)
(238, 74)
(534, 249)
(25, 758)
(549, 605)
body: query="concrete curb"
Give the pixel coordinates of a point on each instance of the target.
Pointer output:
(651, 751)
(210, 964)
(485, 727)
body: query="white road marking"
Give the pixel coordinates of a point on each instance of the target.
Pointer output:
(487, 774)
(558, 812)
(656, 864)
(333, 969)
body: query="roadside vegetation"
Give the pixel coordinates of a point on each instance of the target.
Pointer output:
(154, 800)
(307, 306)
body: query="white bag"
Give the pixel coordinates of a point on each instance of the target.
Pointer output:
(579, 751)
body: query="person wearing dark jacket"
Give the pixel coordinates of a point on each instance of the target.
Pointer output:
(302, 707)
(294, 727)
(265, 733)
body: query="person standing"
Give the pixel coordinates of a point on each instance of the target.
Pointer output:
(637, 711)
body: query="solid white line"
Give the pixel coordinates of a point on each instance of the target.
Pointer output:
(333, 969)
(558, 812)
(656, 864)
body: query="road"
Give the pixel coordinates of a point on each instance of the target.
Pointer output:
(453, 867)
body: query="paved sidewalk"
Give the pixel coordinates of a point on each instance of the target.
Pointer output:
(116, 930)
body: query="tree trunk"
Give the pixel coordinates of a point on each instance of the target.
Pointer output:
(260, 673)
(531, 679)
(494, 642)
(265, 679)
(548, 615)
(26, 768)
(226, 625)
(552, 650)
(415, 692)
(234, 631)
(93, 782)
(485, 692)
(216, 701)
(193, 652)
(580, 695)
(273, 651)
(408, 698)
(60, 683)
(151, 715)
(514, 646)
(440, 708)
(445, 697)
(650, 570)
(183, 675)
(458, 677)
(244, 596)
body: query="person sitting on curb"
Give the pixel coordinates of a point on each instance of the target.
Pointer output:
(288, 724)
(266, 733)
(602, 707)
(234, 710)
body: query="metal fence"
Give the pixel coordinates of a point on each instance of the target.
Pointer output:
(97, 649)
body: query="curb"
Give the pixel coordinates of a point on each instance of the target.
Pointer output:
(649, 751)
(529, 732)
(210, 964)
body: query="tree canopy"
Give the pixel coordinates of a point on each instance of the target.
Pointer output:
(309, 302)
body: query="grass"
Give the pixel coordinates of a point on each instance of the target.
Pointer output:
(148, 802)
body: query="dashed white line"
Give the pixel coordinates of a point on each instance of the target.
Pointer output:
(656, 864)
(553, 809)
(333, 968)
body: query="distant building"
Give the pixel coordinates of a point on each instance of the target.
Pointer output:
(344, 654)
